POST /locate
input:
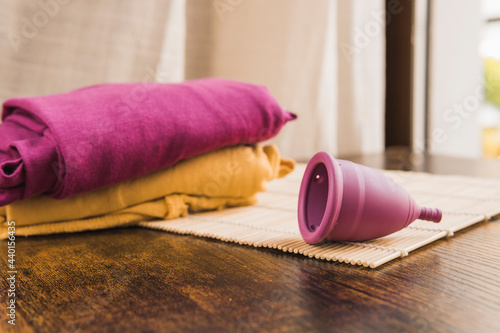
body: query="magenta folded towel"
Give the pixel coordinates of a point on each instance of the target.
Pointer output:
(83, 140)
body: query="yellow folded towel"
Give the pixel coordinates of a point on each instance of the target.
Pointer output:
(228, 177)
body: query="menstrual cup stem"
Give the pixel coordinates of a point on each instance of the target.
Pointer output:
(430, 214)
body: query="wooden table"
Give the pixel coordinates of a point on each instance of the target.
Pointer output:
(138, 280)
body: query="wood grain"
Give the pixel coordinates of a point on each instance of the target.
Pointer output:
(138, 280)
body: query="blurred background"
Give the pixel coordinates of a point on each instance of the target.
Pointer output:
(363, 75)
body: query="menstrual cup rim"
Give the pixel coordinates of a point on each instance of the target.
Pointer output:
(333, 203)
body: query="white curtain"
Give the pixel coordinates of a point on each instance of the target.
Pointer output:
(456, 82)
(322, 59)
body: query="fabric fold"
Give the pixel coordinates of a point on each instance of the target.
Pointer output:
(227, 177)
(67, 144)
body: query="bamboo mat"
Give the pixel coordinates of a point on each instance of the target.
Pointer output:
(272, 222)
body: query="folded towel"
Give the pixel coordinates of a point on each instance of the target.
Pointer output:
(227, 177)
(67, 144)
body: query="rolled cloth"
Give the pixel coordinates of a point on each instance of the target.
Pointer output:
(66, 144)
(226, 177)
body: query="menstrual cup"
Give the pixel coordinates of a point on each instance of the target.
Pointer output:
(344, 201)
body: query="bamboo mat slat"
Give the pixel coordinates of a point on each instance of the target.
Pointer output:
(272, 222)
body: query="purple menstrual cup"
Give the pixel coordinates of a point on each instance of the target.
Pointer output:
(344, 201)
